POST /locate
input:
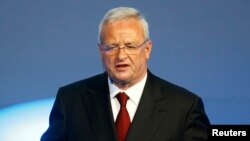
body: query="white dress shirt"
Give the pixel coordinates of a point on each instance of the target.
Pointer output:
(134, 93)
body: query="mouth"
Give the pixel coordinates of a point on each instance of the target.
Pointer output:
(121, 67)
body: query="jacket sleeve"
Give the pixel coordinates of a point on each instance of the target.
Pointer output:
(197, 123)
(56, 129)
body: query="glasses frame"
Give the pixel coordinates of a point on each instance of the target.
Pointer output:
(108, 48)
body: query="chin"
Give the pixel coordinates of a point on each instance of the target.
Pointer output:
(121, 80)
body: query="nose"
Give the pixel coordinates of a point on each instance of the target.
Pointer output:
(121, 53)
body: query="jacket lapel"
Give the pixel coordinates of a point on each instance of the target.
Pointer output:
(99, 111)
(150, 112)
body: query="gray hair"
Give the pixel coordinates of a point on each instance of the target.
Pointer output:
(120, 13)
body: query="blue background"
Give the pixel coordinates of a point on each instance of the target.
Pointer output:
(201, 45)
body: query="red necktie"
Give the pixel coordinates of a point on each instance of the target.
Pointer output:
(122, 121)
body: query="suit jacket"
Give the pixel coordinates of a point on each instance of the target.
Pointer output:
(82, 112)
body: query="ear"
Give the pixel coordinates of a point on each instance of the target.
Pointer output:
(148, 48)
(100, 49)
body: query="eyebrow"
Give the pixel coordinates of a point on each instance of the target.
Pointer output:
(129, 43)
(117, 44)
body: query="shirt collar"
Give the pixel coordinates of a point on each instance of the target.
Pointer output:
(133, 92)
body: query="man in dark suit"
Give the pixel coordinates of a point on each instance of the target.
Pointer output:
(126, 102)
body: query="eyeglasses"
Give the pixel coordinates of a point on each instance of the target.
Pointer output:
(129, 49)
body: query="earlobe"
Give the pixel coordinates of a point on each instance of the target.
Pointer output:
(148, 49)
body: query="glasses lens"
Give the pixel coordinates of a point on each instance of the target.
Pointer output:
(130, 50)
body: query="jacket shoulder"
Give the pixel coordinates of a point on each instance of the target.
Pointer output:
(92, 82)
(173, 90)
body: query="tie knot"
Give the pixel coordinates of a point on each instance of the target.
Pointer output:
(122, 98)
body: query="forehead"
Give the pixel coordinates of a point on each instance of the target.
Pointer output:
(122, 29)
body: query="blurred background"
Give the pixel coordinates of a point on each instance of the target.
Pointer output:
(201, 45)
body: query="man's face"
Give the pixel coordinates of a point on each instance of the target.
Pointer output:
(125, 68)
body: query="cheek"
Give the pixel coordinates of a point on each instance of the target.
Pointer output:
(140, 60)
(144, 56)
(107, 61)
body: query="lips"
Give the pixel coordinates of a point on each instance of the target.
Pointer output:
(121, 67)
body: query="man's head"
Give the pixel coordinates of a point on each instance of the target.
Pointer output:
(124, 46)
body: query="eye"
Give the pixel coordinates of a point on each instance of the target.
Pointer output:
(110, 47)
(130, 46)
